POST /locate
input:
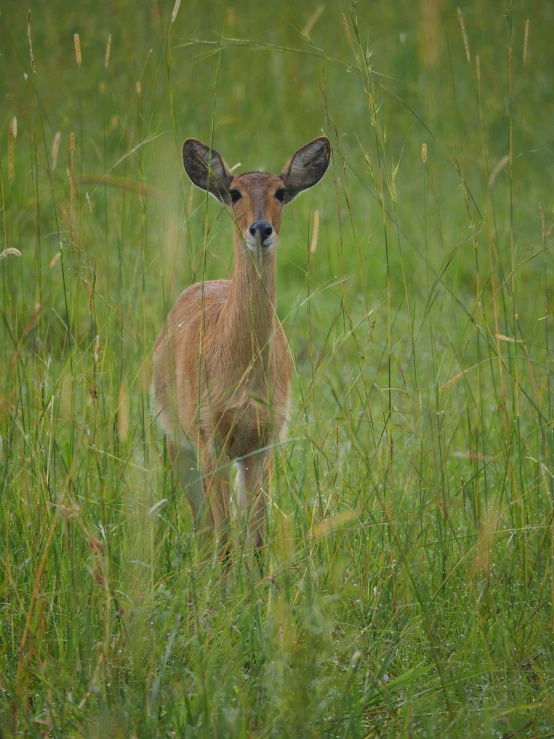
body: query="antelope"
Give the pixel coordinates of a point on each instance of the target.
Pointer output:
(221, 364)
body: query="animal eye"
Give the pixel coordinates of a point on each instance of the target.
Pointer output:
(280, 194)
(235, 195)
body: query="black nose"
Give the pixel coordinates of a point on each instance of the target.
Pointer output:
(264, 228)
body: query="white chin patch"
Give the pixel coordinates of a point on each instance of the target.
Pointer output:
(256, 248)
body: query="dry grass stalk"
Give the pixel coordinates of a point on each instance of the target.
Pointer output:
(485, 543)
(496, 171)
(456, 377)
(77, 42)
(89, 201)
(464, 34)
(346, 28)
(33, 67)
(71, 150)
(55, 259)
(332, 524)
(121, 184)
(502, 337)
(472, 455)
(123, 414)
(71, 183)
(478, 66)
(424, 152)
(55, 150)
(138, 88)
(315, 234)
(10, 152)
(313, 19)
(92, 292)
(108, 50)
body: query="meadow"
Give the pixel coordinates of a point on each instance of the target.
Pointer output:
(408, 581)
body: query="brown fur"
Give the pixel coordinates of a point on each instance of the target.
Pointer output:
(222, 369)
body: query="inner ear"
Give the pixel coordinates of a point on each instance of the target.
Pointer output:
(306, 167)
(207, 169)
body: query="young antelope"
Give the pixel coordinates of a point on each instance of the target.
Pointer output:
(221, 365)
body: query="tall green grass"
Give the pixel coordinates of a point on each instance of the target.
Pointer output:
(408, 587)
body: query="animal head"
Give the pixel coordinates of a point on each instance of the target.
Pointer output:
(256, 199)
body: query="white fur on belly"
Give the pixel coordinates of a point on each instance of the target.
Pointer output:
(167, 422)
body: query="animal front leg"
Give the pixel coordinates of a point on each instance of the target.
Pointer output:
(217, 489)
(256, 477)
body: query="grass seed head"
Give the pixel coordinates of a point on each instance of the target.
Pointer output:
(525, 40)
(158, 506)
(14, 127)
(175, 10)
(77, 41)
(55, 259)
(55, 149)
(33, 67)
(424, 152)
(10, 250)
(464, 34)
(108, 50)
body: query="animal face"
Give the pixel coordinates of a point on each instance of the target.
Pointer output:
(256, 198)
(257, 201)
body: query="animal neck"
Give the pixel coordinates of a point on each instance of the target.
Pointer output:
(249, 317)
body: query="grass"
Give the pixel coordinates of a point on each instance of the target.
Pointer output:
(409, 587)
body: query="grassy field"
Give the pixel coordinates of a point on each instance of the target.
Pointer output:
(408, 587)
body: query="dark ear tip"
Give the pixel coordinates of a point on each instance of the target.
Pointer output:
(322, 140)
(190, 144)
(327, 144)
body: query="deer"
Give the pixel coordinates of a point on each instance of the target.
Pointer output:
(221, 363)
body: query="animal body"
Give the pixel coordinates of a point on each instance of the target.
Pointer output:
(221, 364)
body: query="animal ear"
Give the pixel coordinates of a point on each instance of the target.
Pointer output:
(306, 167)
(206, 169)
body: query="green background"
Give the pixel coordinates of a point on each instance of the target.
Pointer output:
(407, 587)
